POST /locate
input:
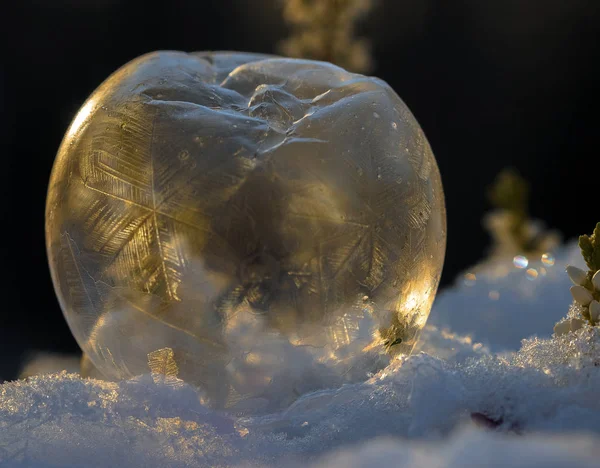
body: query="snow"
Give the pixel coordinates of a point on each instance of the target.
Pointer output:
(472, 394)
(506, 304)
(471, 448)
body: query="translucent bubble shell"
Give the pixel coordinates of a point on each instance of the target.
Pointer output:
(235, 208)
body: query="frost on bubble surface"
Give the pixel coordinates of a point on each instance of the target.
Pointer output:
(269, 220)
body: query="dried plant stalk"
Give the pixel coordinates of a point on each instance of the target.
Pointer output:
(324, 30)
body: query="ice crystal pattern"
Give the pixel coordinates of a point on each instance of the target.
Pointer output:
(229, 205)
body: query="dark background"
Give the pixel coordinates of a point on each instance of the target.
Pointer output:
(494, 83)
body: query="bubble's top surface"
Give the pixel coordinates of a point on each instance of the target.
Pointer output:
(243, 210)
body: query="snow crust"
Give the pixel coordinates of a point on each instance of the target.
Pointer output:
(468, 396)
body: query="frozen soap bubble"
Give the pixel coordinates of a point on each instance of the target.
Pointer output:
(272, 221)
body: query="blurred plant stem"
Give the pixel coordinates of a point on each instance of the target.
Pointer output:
(324, 30)
(510, 193)
(512, 230)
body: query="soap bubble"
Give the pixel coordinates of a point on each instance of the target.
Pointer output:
(229, 207)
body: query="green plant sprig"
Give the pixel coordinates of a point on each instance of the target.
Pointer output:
(586, 289)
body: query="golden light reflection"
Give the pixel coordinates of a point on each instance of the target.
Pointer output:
(413, 300)
(464, 339)
(548, 259)
(470, 279)
(531, 274)
(494, 295)
(81, 117)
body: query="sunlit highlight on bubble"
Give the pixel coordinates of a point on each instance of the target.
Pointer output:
(470, 279)
(81, 117)
(543, 271)
(494, 295)
(520, 261)
(548, 259)
(412, 301)
(532, 274)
